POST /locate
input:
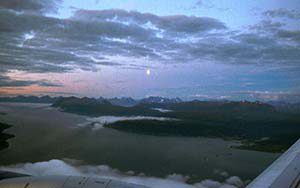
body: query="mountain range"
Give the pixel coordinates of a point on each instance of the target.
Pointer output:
(154, 101)
(123, 101)
(241, 120)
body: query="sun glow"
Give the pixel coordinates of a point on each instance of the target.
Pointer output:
(148, 72)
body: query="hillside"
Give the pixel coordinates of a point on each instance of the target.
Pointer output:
(246, 121)
(94, 107)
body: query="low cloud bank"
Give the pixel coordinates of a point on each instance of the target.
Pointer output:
(74, 167)
(162, 110)
(99, 122)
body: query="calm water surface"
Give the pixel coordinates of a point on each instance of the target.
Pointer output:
(44, 133)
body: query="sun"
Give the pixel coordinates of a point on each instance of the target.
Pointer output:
(148, 72)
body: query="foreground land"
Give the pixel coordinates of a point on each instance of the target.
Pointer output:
(259, 126)
(4, 136)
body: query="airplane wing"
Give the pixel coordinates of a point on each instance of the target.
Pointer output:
(283, 173)
(64, 182)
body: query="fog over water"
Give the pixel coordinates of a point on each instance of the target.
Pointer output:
(98, 122)
(49, 141)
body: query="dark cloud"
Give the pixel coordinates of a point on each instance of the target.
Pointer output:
(39, 6)
(206, 4)
(293, 35)
(282, 12)
(6, 81)
(42, 44)
(271, 95)
(248, 48)
(267, 26)
(60, 93)
(36, 43)
(46, 83)
(177, 23)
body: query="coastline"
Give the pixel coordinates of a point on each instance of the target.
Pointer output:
(4, 137)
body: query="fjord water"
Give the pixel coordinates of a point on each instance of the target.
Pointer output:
(43, 133)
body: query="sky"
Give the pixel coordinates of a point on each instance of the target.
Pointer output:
(192, 49)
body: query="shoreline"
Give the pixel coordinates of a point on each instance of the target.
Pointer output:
(4, 137)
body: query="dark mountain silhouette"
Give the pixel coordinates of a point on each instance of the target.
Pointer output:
(124, 101)
(94, 107)
(244, 120)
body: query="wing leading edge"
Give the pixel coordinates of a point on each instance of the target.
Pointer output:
(283, 173)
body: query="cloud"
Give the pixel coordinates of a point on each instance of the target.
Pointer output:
(60, 93)
(267, 26)
(282, 12)
(210, 97)
(234, 180)
(46, 83)
(76, 168)
(175, 23)
(272, 95)
(199, 3)
(36, 43)
(99, 122)
(207, 4)
(131, 40)
(40, 6)
(163, 110)
(6, 81)
(293, 35)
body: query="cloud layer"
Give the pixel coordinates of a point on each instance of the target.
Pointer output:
(34, 6)
(282, 12)
(73, 167)
(37, 43)
(91, 39)
(99, 122)
(6, 81)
